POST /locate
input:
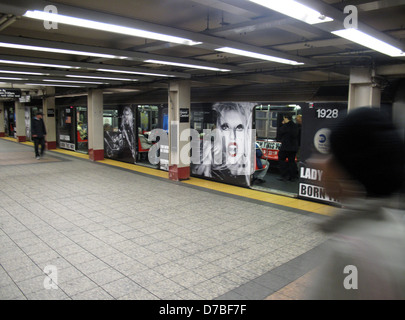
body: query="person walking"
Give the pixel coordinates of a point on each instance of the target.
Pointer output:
(38, 133)
(364, 258)
(288, 136)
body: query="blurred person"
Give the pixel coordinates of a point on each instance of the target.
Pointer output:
(365, 170)
(288, 136)
(38, 133)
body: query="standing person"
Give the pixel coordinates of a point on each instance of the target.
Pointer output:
(366, 253)
(38, 133)
(288, 136)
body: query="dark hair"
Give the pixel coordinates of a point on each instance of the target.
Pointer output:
(39, 113)
(288, 116)
(368, 146)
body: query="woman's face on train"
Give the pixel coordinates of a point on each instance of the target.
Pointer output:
(232, 126)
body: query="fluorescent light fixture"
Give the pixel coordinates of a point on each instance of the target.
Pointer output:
(24, 72)
(52, 85)
(193, 66)
(73, 81)
(136, 72)
(90, 24)
(9, 78)
(101, 78)
(25, 63)
(46, 49)
(295, 10)
(369, 41)
(256, 55)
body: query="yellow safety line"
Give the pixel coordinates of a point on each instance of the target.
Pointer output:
(212, 185)
(262, 196)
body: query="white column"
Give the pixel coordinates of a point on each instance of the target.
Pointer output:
(179, 122)
(95, 124)
(48, 109)
(398, 108)
(20, 121)
(364, 91)
(2, 114)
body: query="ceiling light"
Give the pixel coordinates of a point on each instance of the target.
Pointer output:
(78, 22)
(101, 78)
(46, 49)
(9, 78)
(369, 41)
(258, 56)
(25, 63)
(52, 85)
(135, 72)
(73, 81)
(193, 66)
(295, 10)
(24, 72)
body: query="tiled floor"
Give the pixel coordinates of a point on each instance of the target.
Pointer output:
(112, 233)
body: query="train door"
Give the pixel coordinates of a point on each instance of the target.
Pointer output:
(9, 115)
(66, 129)
(147, 119)
(268, 119)
(81, 124)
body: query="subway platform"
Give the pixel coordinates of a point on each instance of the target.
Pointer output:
(73, 229)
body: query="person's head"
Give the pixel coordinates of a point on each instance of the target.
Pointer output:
(287, 117)
(80, 123)
(366, 148)
(39, 115)
(298, 119)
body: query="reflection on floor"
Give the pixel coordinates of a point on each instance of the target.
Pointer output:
(272, 184)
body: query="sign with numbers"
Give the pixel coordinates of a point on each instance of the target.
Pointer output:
(317, 121)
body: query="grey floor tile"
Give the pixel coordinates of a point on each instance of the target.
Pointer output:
(121, 287)
(48, 294)
(77, 285)
(11, 292)
(32, 285)
(105, 276)
(25, 273)
(93, 294)
(147, 277)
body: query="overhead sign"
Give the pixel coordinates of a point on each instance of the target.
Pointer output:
(184, 115)
(24, 99)
(10, 93)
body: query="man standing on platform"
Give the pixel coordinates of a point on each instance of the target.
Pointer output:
(288, 136)
(38, 133)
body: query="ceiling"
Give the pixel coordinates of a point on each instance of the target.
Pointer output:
(322, 74)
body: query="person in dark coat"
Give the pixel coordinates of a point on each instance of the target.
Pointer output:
(288, 136)
(38, 133)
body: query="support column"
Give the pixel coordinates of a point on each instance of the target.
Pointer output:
(364, 91)
(2, 115)
(48, 109)
(20, 121)
(398, 107)
(95, 124)
(179, 120)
